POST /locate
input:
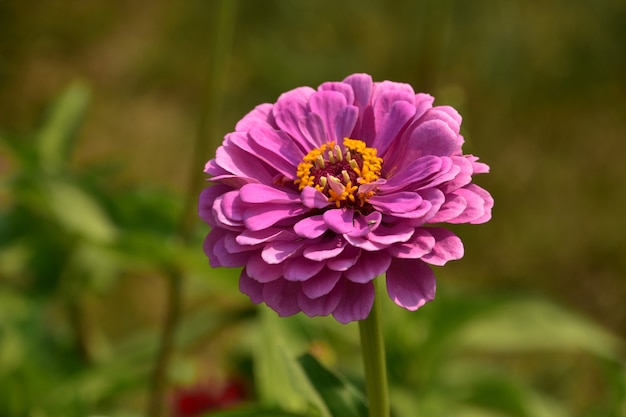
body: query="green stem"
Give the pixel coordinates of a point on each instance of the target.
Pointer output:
(373, 348)
(208, 130)
(159, 380)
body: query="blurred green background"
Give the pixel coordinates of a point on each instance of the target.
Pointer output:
(101, 103)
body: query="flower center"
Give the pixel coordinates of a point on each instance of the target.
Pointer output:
(341, 171)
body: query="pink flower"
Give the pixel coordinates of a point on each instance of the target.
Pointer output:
(322, 191)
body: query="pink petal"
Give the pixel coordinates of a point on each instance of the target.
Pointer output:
(340, 87)
(410, 283)
(339, 220)
(233, 181)
(388, 235)
(446, 114)
(400, 202)
(419, 212)
(321, 284)
(326, 250)
(463, 177)
(371, 186)
(451, 208)
(448, 247)
(239, 162)
(312, 129)
(328, 105)
(392, 123)
(436, 199)
(260, 216)
(289, 109)
(368, 267)
(232, 246)
(261, 271)
(433, 137)
(251, 288)
(356, 302)
(210, 241)
(345, 259)
(262, 147)
(487, 203)
(448, 172)
(321, 306)
(362, 86)
(386, 94)
(228, 209)
(213, 169)
(215, 249)
(423, 102)
(282, 296)
(364, 243)
(256, 237)
(277, 146)
(277, 252)
(366, 224)
(298, 268)
(413, 173)
(261, 114)
(206, 200)
(261, 193)
(345, 122)
(311, 227)
(478, 167)
(475, 206)
(420, 244)
(313, 198)
(393, 107)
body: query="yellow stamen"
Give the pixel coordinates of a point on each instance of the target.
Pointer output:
(352, 163)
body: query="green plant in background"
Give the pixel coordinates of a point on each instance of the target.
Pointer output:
(67, 235)
(495, 355)
(58, 243)
(465, 355)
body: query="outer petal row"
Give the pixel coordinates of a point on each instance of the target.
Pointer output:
(346, 301)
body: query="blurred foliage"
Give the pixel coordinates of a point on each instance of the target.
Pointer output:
(464, 355)
(90, 203)
(66, 239)
(540, 85)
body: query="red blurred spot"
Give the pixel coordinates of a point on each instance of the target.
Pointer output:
(199, 399)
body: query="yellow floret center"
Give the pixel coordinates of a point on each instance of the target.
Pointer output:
(339, 171)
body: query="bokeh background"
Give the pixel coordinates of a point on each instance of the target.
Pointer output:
(91, 241)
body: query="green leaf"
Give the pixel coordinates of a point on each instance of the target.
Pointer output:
(58, 134)
(490, 387)
(279, 378)
(535, 325)
(341, 398)
(78, 212)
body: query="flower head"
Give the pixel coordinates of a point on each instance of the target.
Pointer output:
(322, 191)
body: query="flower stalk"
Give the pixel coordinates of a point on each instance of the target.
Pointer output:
(373, 350)
(208, 128)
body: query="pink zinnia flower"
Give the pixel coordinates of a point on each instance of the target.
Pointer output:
(319, 193)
